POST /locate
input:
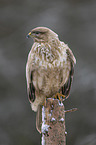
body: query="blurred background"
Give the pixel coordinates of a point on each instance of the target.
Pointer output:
(75, 23)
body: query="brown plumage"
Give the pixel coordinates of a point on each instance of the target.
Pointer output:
(49, 68)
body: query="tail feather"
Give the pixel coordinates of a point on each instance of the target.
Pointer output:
(39, 118)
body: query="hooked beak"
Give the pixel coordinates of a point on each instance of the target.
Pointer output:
(29, 34)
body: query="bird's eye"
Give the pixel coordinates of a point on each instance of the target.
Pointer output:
(37, 32)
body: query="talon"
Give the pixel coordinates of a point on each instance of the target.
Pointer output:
(60, 96)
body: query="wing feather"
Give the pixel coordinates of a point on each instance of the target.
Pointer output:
(31, 90)
(67, 85)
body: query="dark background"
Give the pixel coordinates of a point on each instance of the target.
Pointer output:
(75, 23)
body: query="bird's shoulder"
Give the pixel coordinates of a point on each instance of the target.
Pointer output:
(65, 50)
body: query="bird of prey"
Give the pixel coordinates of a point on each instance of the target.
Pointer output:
(49, 69)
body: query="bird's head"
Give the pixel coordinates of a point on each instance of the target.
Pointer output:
(42, 34)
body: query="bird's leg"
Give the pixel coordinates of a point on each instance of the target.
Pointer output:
(60, 96)
(44, 103)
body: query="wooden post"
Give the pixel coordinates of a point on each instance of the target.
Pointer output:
(53, 123)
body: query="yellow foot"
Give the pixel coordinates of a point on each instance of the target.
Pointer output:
(59, 96)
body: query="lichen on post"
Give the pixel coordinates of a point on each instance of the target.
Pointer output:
(53, 123)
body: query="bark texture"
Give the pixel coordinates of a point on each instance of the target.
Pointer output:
(54, 122)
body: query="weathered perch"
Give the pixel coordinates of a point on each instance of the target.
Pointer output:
(53, 123)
